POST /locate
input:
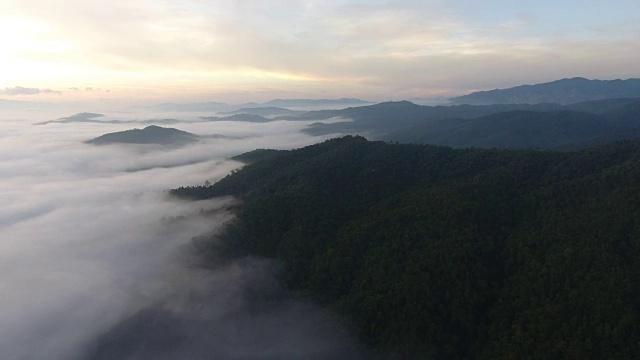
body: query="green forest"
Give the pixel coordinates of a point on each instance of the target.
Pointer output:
(429, 252)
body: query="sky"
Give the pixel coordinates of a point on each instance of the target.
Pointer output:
(255, 50)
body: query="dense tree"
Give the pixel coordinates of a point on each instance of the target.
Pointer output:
(436, 253)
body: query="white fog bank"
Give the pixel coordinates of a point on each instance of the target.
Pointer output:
(89, 254)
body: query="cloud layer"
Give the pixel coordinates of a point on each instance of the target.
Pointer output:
(92, 251)
(232, 50)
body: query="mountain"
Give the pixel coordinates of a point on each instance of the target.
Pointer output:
(380, 119)
(210, 106)
(603, 106)
(514, 126)
(263, 111)
(565, 91)
(87, 117)
(509, 130)
(562, 129)
(277, 103)
(84, 117)
(429, 252)
(317, 103)
(149, 135)
(237, 117)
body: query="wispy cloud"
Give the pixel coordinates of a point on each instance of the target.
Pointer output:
(19, 90)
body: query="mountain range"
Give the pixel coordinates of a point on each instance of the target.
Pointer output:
(542, 126)
(564, 91)
(281, 103)
(263, 111)
(557, 129)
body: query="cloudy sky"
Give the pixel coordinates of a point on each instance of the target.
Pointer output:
(253, 50)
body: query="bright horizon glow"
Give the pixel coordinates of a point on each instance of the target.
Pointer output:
(237, 51)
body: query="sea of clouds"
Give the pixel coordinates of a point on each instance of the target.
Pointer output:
(94, 264)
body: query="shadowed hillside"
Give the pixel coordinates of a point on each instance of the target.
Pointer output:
(429, 252)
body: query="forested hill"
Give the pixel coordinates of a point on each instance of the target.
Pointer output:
(152, 134)
(430, 252)
(551, 130)
(513, 126)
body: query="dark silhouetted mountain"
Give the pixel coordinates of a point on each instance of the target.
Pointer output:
(380, 119)
(149, 135)
(544, 126)
(565, 91)
(602, 106)
(627, 114)
(430, 252)
(525, 130)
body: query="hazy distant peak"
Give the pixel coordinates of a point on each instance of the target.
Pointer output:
(203, 106)
(280, 103)
(83, 116)
(262, 111)
(396, 103)
(301, 103)
(563, 91)
(79, 117)
(245, 118)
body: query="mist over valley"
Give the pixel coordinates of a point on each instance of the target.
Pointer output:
(95, 255)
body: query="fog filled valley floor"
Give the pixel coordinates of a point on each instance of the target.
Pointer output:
(338, 247)
(96, 261)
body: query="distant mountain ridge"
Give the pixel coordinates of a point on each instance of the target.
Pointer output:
(380, 119)
(559, 130)
(512, 126)
(564, 91)
(237, 117)
(314, 102)
(262, 111)
(279, 103)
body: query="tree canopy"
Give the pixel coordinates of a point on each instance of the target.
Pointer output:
(438, 253)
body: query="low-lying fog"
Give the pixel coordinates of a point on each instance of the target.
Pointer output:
(92, 266)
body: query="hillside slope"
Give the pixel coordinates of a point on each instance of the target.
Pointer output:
(433, 253)
(560, 130)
